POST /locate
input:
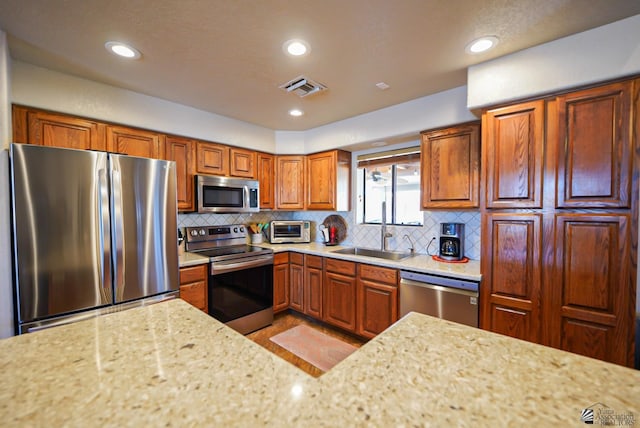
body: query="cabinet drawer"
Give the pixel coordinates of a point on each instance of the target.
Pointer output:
(280, 258)
(340, 266)
(296, 258)
(195, 294)
(378, 274)
(193, 274)
(313, 261)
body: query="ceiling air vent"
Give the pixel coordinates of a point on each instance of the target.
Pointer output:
(303, 86)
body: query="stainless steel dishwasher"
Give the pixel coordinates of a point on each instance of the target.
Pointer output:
(443, 297)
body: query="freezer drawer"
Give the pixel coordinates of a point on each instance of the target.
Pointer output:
(447, 298)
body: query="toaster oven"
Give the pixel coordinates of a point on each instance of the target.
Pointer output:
(292, 231)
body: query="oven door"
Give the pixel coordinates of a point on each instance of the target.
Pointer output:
(241, 293)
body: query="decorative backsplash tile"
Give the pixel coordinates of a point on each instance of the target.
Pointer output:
(362, 235)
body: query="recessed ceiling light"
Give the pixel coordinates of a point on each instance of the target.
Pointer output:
(382, 86)
(296, 47)
(122, 49)
(296, 112)
(482, 44)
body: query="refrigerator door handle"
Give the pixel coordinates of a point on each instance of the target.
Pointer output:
(118, 234)
(105, 235)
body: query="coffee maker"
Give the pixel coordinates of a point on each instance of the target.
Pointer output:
(452, 241)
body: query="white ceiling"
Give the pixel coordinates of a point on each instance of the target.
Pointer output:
(225, 56)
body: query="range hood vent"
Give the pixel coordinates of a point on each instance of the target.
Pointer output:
(303, 86)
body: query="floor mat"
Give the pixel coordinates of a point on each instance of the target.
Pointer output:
(313, 346)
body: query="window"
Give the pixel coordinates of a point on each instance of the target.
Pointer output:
(394, 178)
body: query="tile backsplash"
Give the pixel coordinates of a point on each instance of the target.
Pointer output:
(361, 235)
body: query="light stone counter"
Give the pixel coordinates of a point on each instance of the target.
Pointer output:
(418, 263)
(191, 259)
(169, 364)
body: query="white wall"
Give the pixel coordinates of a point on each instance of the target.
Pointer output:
(40, 87)
(6, 289)
(405, 119)
(596, 55)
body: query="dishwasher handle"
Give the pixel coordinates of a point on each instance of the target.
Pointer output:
(426, 280)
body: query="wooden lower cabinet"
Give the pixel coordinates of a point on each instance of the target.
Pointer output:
(193, 286)
(377, 299)
(296, 281)
(590, 304)
(312, 291)
(340, 294)
(281, 288)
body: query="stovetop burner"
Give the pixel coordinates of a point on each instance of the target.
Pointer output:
(236, 251)
(222, 242)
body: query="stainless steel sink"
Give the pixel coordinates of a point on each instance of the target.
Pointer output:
(388, 255)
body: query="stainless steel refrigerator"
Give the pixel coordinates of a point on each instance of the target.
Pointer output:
(93, 232)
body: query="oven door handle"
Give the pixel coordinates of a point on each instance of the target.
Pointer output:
(218, 268)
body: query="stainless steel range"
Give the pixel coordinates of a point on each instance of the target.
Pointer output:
(240, 285)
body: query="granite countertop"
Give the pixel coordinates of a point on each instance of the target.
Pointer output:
(170, 364)
(417, 263)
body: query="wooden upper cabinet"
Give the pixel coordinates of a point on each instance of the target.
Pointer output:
(450, 164)
(57, 130)
(212, 158)
(290, 179)
(512, 275)
(242, 163)
(266, 177)
(512, 155)
(180, 150)
(19, 124)
(329, 181)
(594, 147)
(135, 142)
(591, 307)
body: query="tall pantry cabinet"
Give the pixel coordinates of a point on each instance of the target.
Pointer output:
(560, 220)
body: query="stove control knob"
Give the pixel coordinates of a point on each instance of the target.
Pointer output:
(194, 232)
(201, 232)
(235, 230)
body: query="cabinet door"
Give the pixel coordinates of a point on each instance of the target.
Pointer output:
(313, 292)
(377, 307)
(450, 164)
(266, 176)
(321, 180)
(511, 279)
(243, 163)
(340, 300)
(591, 307)
(594, 147)
(212, 158)
(135, 142)
(193, 286)
(180, 150)
(512, 155)
(56, 130)
(280, 287)
(290, 173)
(296, 279)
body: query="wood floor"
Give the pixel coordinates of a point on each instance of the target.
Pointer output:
(286, 320)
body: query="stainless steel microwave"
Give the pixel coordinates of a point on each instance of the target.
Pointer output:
(227, 195)
(294, 231)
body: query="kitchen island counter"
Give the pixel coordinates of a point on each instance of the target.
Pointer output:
(170, 364)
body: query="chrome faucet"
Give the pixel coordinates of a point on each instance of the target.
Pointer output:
(383, 229)
(413, 247)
